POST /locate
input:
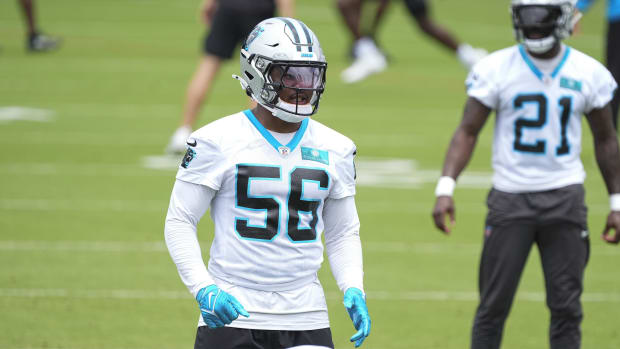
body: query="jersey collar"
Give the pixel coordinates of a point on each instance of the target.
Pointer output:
(536, 71)
(271, 139)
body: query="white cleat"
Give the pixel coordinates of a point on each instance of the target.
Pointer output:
(369, 60)
(178, 140)
(469, 56)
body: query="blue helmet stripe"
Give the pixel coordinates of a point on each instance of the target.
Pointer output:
(294, 30)
(308, 37)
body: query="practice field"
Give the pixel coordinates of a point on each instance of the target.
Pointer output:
(82, 259)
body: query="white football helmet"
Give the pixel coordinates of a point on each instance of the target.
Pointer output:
(540, 24)
(283, 54)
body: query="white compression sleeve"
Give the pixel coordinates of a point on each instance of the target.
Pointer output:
(342, 242)
(188, 203)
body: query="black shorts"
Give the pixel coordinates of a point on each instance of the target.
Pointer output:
(241, 338)
(417, 8)
(231, 26)
(557, 206)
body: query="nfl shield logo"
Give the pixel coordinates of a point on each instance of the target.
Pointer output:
(284, 151)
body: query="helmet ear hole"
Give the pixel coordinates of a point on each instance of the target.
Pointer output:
(250, 76)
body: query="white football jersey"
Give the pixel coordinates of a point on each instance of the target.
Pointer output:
(268, 208)
(537, 139)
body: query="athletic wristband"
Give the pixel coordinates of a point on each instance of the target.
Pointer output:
(445, 186)
(614, 202)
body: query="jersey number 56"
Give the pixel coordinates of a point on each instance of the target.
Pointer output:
(296, 203)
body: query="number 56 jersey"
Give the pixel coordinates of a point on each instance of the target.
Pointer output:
(539, 104)
(270, 197)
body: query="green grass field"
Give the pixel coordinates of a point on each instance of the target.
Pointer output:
(82, 259)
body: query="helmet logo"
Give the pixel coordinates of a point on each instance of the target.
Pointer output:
(253, 35)
(189, 156)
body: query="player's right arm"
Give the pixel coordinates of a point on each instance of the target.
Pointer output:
(458, 155)
(188, 203)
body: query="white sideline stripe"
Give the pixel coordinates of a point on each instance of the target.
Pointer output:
(17, 113)
(159, 246)
(600, 297)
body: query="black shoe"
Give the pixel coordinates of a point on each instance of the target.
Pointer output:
(41, 43)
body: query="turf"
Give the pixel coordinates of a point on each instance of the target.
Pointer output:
(82, 262)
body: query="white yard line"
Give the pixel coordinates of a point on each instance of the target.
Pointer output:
(424, 206)
(79, 205)
(18, 113)
(85, 169)
(371, 172)
(159, 246)
(83, 246)
(411, 296)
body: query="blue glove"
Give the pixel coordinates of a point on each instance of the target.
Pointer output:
(355, 303)
(218, 308)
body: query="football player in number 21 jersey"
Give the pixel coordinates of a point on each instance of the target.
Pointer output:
(539, 90)
(274, 181)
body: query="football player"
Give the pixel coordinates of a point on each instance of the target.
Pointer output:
(274, 181)
(369, 59)
(35, 40)
(539, 89)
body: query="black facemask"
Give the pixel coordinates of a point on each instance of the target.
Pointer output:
(537, 21)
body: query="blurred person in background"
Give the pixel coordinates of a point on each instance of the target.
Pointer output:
(539, 90)
(613, 46)
(362, 18)
(35, 40)
(274, 180)
(230, 22)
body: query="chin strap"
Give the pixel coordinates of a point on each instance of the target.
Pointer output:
(576, 17)
(279, 113)
(244, 85)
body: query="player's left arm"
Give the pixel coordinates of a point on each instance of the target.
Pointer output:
(188, 203)
(608, 159)
(344, 251)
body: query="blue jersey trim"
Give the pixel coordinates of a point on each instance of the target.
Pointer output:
(298, 135)
(561, 64)
(270, 138)
(535, 70)
(529, 63)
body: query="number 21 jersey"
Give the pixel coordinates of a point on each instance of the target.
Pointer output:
(537, 138)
